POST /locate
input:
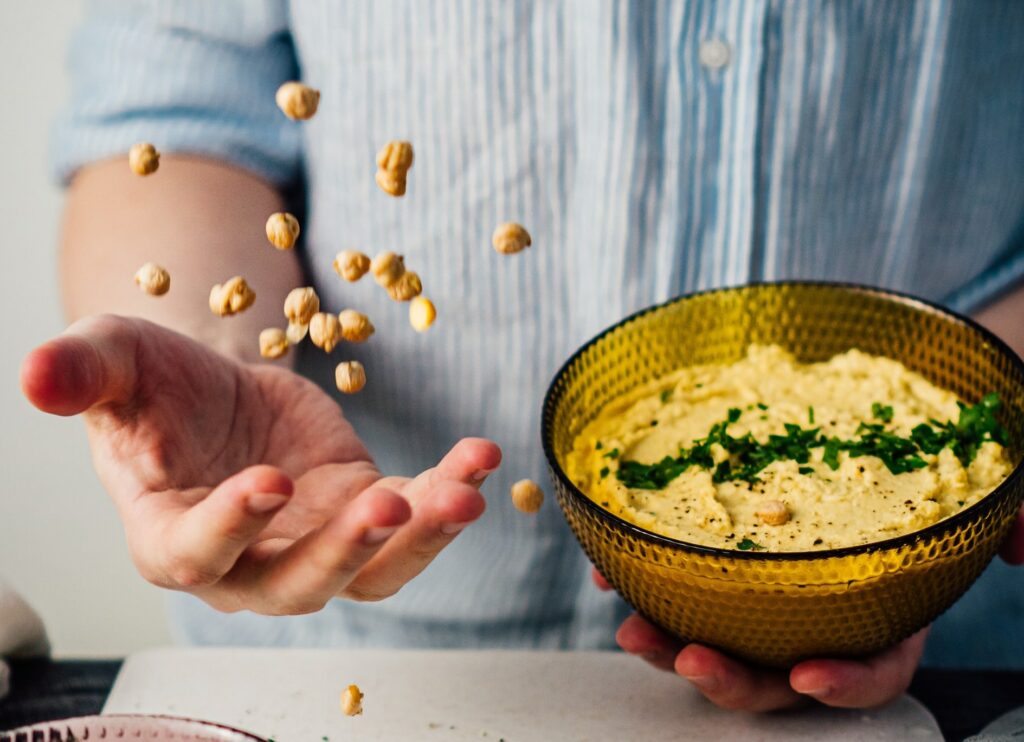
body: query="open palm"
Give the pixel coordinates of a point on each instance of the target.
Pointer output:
(245, 485)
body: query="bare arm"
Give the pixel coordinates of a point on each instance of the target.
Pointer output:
(1006, 319)
(201, 219)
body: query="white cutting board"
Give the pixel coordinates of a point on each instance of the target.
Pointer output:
(292, 695)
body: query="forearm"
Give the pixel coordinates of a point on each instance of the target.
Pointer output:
(1006, 319)
(200, 219)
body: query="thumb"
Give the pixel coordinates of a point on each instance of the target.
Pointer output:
(92, 363)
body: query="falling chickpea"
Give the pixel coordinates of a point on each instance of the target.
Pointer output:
(297, 101)
(351, 265)
(282, 230)
(510, 238)
(387, 268)
(407, 287)
(295, 332)
(153, 279)
(273, 343)
(231, 297)
(527, 496)
(421, 313)
(143, 158)
(352, 701)
(301, 304)
(356, 327)
(350, 377)
(325, 331)
(773, 513)
(393, 162)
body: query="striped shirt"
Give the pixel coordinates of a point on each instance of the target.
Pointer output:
(651, 148)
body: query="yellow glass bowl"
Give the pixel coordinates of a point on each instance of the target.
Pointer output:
(776, 609)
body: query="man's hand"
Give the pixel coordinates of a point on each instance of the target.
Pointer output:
(732, 685)
(245, 485)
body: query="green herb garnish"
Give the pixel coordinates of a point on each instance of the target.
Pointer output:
(748, 456)
(748, 545)
(762, 406)
(604, 472)
(882, 412)
(599, 445)
(810, 415)
(665, 395)
(806, 470)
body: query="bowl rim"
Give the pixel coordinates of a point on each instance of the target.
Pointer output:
(951, 523)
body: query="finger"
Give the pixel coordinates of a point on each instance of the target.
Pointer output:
(599, 580)
(93, 362)
(304, 576)
(469, 461)
(853, 684)
(204, 541)
(1012, 550)
(731, 684)
(436, 520)
(645, 640)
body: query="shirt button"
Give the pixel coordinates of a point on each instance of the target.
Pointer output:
(713, 53)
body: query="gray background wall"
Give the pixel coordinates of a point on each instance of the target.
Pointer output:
(61, 543)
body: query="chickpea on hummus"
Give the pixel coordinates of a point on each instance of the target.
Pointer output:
(771, 454)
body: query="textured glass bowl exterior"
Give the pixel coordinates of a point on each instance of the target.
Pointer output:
(776, 609)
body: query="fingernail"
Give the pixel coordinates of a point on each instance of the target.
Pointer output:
(816, 692)
(260, 503)
(704, 682)
(481, 474)
(450, 529)
(374, 536)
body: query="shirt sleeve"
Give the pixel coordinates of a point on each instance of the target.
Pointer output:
(189, 76)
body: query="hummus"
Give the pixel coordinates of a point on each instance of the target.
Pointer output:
(857, 449)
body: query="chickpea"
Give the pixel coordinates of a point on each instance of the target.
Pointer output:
(395, 156)
(325, 331)
(297, 101)
(773, 512)
(393, 163)
(527, 496)
(387, 268)
(153, 279)
(282, 230)
(301, 304)
(356, 327)
(296, 332)
(352, 701)
(350, 376)
(273, 342)
(407, 287)
(143, 158)
(509, 238)
(392, 183)
(351, 265)
(421, 313)
(231, 297)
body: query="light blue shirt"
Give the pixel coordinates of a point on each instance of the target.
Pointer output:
(651, 148)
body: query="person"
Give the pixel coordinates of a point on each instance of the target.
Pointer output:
(650, 148)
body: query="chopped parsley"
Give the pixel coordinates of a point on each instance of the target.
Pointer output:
(882, 412)
(665, 395)
(806, 470)
(604, 472)
(599, 445)
(748, 456)
(748, 545)
(762, 406)
(810, 415)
